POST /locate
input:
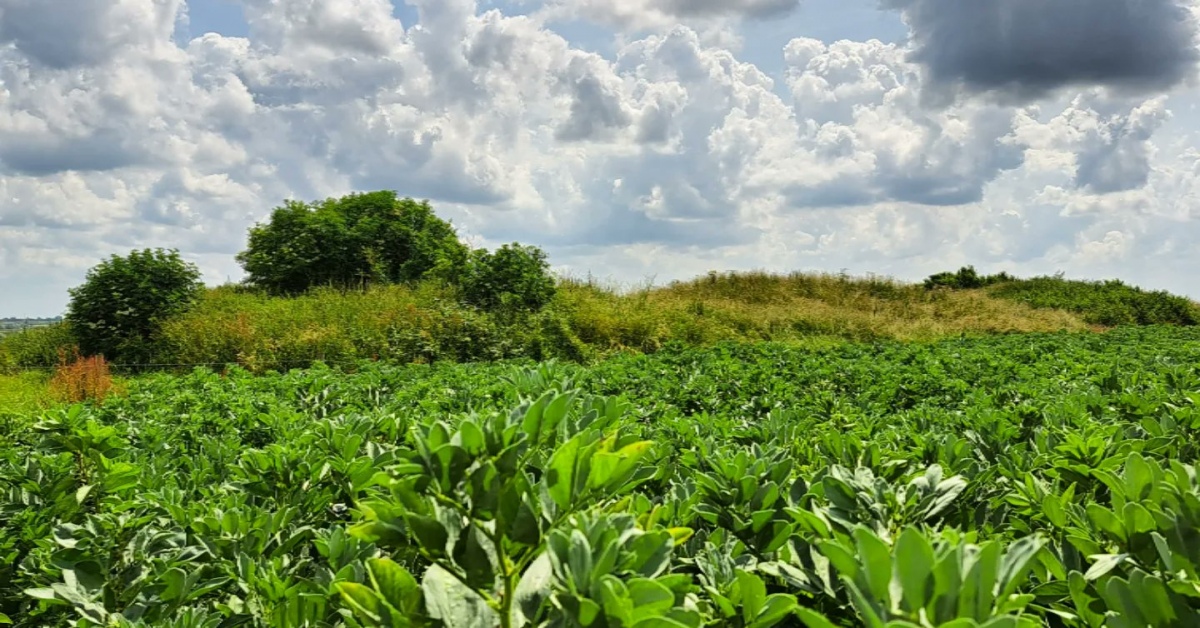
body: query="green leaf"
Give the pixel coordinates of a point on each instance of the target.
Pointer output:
(533, 589)
(1016, 564)
(175, 579)
(560, 474)
(395, 584)
(663, 622)
(649, 598)
(448, 599)
(1053, 509)
(471, 554)
(471, 438)
(877, 563)
(42, 593)
(429, 532)
(1104, 564)
(363, 602)
(777, 607)
(813, 619)
(914, 567)
(754, 594)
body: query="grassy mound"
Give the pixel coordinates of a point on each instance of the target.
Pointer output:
(586, 320)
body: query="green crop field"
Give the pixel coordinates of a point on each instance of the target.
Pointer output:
(1003, 481)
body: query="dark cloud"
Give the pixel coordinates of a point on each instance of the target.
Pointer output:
(1115, 156)
(1028, 48)
(55, 33)
(596, 109)
(105, 149)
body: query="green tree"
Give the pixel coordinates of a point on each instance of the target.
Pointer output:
(355, 240)
(119, 307)
(513, 277)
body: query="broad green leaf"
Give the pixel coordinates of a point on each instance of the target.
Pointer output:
(1016, 564)
(448, 599)
(754, 594)
(429, 532)
(649, 598)
(813, 619)
(560, 474)
(914, 568)
(876, 562)
(395, 584)
(1103, 565)
(175, 580)
(533, 589)
(362, 601)
(777, 607)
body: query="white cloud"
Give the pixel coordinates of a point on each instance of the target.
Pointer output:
(671, 156)
(643, 15)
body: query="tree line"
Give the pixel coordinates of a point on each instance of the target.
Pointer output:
(350, 243)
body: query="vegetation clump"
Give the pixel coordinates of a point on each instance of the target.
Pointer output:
(1109, 303)
(124, 300)
(349, 242)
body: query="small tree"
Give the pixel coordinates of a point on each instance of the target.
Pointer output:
(355, 240)
(514, 277)
(119, 307)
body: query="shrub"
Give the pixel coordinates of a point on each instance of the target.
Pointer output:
(355, 240)
(965, 279)
(1108, 303)
(123, 301)
(37, 347)
(514, 278)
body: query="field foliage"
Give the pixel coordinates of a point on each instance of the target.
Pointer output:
(1109, 303)
(1021, 480)
(582, 320)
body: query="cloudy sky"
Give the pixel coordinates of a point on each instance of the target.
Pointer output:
(636, 140)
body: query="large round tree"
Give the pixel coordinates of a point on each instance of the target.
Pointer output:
(118, 308)
(352, 241)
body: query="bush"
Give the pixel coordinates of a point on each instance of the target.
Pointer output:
(965, 279)
(1108, 303)
(352, 241)
(120, 306)
(38, 347)
(512, 278)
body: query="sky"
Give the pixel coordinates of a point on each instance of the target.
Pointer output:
(638, 141)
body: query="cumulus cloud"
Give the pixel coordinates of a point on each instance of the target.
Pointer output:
(670, 155)
(665, 14)
(869, 138)
(63, 34)
(1108, 139)
(1024, 49)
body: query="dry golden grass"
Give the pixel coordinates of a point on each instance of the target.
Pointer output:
(427, 322)
(793, 308)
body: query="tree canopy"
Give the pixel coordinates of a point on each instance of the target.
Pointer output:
(119, 307)
(355, 240)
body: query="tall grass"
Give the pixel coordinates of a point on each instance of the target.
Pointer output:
(797, 308)
(23, 393)
(396, 323)
(586, 320)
